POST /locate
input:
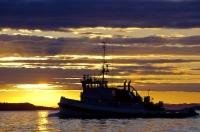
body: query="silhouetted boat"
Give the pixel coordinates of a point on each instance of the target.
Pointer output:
(98, 100)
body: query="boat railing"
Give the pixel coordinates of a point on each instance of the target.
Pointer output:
(93, 82)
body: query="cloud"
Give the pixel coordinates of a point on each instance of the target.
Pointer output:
(148, 60)
(156, 40)
(53, 14)
(41, 46)
(70, 79)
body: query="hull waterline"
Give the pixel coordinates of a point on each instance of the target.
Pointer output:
(77, 109)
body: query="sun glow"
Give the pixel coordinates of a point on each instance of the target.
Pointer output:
(19, 58)
(34, 86)
(37, 96)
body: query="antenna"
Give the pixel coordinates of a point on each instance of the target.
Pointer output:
(104, 66)
(104, 52)
(104, 61)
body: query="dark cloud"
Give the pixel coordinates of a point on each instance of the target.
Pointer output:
(155, 40)
(54, 14)
(40, 46)
(69, 79)
(33, 46)
(35, 75)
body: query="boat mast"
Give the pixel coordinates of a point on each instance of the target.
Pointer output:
(104, 66)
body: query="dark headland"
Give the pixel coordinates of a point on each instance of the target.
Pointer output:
(22, 106)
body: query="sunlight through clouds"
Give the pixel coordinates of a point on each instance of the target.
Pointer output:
(148, 56)
(34, 86)
(104, 32)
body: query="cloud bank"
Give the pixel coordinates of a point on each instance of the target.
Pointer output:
(152, 62)
(54, 14)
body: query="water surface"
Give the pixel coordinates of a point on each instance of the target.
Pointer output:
(39, 121)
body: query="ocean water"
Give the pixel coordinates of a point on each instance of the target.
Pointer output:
(31, 121)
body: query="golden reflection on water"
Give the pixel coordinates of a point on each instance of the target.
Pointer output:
(42, 121)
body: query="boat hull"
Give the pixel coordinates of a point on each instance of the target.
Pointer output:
(77, 109)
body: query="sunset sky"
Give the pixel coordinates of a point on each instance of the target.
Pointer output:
(47, 45)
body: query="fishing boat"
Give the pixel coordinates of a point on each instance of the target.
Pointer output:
(100, 100)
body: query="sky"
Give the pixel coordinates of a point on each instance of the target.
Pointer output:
(47, 45)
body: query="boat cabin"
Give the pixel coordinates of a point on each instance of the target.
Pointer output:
(97, 91)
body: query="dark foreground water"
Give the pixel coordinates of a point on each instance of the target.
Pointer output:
(25, 121)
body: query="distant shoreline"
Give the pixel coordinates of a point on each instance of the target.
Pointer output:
(23, 107)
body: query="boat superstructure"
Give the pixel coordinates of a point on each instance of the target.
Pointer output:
(99, 100)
